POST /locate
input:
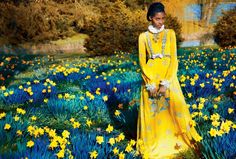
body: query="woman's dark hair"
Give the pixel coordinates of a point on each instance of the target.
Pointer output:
(154, 8)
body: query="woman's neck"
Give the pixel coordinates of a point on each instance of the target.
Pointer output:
(154, 30)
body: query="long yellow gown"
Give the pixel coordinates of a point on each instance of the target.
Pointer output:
(165, 126)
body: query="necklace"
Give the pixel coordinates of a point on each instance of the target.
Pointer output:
(156, 37)
(158, 54)
(156, 31)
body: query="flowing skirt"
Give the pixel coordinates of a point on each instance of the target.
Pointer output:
(164, 124)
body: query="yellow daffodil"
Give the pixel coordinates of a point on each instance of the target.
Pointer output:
(109, 129)
(53, 144)
(45, 100)
(117, 112)
(93, 154)
(200, 106)
(61, 154)
(72, 120)
(183, 85)
(215, 123)
(213, 132)
(105, 98)
(98, 92)
(3, 88)
(65, 134)
(88, 122)
(41, 131)
(225, 127)
(115, 150)
(202, 100)
(30, 129)
(194, 106)
(60, 96)
(205, 117)
(217, 99)
(7, 126)
(200, 114)
(202, 85)
(111, 141)
(132, 142)
(6, 94)
(230, 110)
(85, 107)
(234, 126)
(121, 136)
(52, 133)
(19, 132)
(99, 139)
(30, 144)
(231, 85)
(76, 125)
(121, 155)
(114, 89)
(33, 118)
(128, 148)
(16, 118)
(192, 83)
(189, 95)
(2, 115)
(92, 97)
(67, 95)
(215, 116)
(215, 106)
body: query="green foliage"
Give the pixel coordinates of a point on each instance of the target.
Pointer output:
(224, 30)
(119, 28)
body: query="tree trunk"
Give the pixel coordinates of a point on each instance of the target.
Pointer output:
(207, 9)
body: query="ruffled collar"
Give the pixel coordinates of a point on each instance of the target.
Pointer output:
(153, 29)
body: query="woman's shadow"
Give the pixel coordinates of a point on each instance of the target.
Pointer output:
(127, 120)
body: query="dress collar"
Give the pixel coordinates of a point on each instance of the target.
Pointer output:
(153, 29)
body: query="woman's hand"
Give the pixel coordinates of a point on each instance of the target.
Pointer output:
(153, 92)
(162, 90)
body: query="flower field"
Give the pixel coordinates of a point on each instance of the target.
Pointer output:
(87, 107)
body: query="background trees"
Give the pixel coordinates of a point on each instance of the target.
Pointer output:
(111, 24)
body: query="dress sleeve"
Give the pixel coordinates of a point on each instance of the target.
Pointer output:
(173, 67)
(146, 74)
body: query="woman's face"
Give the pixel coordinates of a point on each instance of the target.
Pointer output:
(158, 19)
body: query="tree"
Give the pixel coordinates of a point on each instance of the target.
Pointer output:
(207, 9)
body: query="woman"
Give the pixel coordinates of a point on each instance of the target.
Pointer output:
(165, 126)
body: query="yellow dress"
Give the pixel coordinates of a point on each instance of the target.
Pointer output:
(165, 126)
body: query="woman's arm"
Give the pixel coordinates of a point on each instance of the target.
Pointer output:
(146, 74)
(173, 67)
